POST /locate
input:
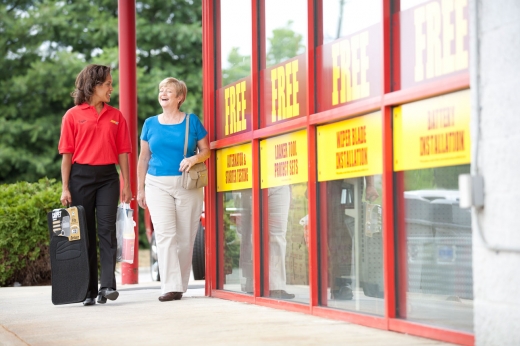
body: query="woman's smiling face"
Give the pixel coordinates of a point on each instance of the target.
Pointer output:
(103, 91)
(168, 96)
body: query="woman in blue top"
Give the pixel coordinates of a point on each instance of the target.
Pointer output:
(175, 211)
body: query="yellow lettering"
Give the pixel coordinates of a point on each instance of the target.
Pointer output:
(233, 108)
(281, 93)
(433, 40)
(296, 88)
(273, 95)
(354, 45)
(335, 73)
(238, 123)
(364, 86)
(226, 117)
(288, 93)
(448, 33)
(244, 104)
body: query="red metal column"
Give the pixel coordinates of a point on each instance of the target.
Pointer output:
(128, 106)
(208, 70)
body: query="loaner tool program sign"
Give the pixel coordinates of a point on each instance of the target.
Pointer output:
(284, 160)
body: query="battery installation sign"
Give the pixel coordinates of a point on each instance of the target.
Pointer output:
(350, 148)
(433, 133)
(234, 168)
(283, 160)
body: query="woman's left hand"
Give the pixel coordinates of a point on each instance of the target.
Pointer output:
(187, 163)
(126, 197)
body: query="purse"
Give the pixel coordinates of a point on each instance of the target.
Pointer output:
(197, 176)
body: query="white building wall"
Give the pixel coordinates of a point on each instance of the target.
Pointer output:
(495, 83)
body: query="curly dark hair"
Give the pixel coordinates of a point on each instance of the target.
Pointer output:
(87, 80)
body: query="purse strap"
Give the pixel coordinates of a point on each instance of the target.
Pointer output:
(187, 133)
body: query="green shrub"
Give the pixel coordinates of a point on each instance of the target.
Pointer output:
(24, 236)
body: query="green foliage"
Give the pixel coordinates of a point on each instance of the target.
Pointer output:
(24, 237)
(240, 67)
(434, 178)
(46, 43)
(285, 44)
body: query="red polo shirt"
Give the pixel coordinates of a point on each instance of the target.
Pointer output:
(94, 139)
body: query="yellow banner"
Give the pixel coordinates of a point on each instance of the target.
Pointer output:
(433, 132)
(234, 168)
(284, 160)
(350, 148)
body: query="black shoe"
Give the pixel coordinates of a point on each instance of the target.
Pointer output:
(107, 293)
(343, 293)
(89, 301)
(280, 294)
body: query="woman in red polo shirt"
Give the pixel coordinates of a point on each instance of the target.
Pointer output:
(94, 138)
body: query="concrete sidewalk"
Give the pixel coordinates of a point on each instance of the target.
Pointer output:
(28, 317)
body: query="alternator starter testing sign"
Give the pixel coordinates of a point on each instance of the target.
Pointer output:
(283, 160)
(234, 168)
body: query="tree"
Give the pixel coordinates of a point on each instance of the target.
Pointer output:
(45, 43)
(284, 44)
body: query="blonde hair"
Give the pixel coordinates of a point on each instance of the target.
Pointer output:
(180, 88)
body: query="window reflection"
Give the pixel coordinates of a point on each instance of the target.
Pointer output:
(235, 40)
(286, 30)
(436, 238)
(345, 17)
(286, 249)
(352, 224)
(237, 241)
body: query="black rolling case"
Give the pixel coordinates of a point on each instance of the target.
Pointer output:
(69, 255)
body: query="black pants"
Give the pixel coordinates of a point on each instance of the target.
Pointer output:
(96, 188)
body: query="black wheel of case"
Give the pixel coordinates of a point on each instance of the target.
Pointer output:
(198, 261)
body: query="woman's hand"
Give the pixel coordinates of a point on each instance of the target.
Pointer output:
(141, 199)
(371, 193)
(126, 197)
(66, 198)
(187, 163)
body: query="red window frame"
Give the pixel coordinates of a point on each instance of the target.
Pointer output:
(390, 96)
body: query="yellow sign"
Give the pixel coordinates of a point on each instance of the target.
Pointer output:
(350, 148)
(234, 168)
(433, 132)
(283, 160)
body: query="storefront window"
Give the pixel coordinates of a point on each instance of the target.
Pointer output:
(283, 62)
(235, 40)
(236, 240)
(234, 69)
(234, 220)
(284, 211)
(350, 214)
(348, 56)
(344, 18)
(431, 149)
(435, 234)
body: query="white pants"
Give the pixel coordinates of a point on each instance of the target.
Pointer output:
(175, 214)
(279, 199)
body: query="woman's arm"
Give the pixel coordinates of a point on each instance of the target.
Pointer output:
(126, 197)
(203, 154)
(66, 164)
(142, 168)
